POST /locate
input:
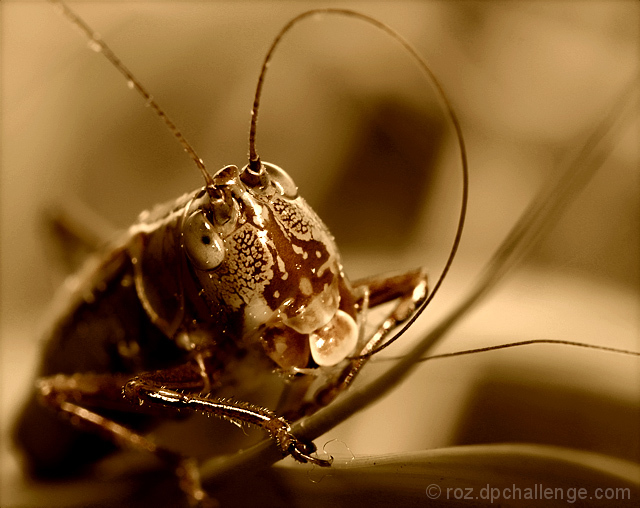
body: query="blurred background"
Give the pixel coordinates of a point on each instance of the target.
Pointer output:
(349, 115)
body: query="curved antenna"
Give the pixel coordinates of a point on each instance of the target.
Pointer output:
(99, 46)
(254, 159)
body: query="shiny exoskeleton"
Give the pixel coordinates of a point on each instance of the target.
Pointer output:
(235, 281)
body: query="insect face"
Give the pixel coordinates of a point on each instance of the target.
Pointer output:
(268, 267)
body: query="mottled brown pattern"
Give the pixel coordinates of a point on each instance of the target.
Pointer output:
(297, 226)
(247, 269)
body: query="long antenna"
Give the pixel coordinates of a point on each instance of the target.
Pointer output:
(528, 343)
(254, 160)
(99, 46)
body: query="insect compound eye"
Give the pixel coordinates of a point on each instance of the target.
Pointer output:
(204, 246)
(281, 180)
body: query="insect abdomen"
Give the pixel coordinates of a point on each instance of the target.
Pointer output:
(105, 331)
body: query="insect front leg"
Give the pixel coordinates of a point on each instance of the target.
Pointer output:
(171, 389)
(72, 395)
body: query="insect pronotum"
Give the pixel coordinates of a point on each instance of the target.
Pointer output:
(241, 150)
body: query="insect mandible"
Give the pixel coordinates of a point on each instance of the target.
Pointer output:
(239, 276)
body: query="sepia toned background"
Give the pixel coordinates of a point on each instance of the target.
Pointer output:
(347, 113)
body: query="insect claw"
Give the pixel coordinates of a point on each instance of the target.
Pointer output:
(305, 456)
(302, 452)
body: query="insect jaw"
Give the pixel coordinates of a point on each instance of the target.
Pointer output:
(302, 329)
(328, 345)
